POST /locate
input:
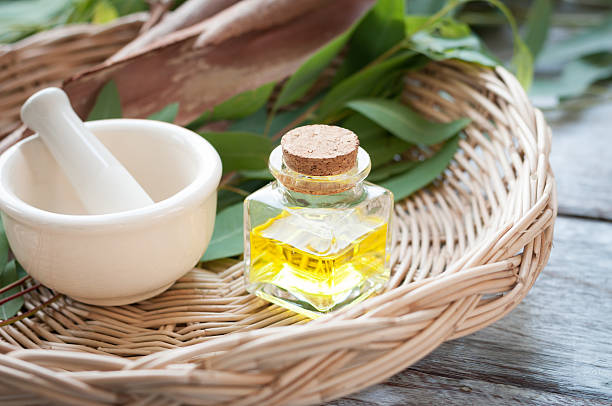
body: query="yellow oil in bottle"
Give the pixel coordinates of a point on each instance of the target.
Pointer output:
(317, 260)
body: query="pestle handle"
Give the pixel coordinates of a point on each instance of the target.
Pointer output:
(99, 179)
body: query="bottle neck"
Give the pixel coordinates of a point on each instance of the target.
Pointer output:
(347, 197)
(320, 190)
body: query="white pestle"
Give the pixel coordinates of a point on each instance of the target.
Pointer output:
(101, 182)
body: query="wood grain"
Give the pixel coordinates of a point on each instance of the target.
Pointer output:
(554, 348)
(415, 388)
(581, 158)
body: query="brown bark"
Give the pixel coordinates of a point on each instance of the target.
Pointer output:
(247, 45)
(190, 13)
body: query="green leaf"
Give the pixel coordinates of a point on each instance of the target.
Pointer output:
(384, 149)
(302, 80)
(257, 122)
(108, 104)
(125, 7)
(450, 28)
(423, 173)
(366, 129)
(424, 7)
(281, 120)
(467, 48)
(359, 85)
(237, 107)
(8, 276)
(575, 79)
(590, 41)
(373, 138)
(523, 64)
(20, 271)
(19, 19)
(391, 169)
(257, 174)
(522, 60)
(405, 123)
(228, 197)
(243, 104)
(538, 23)
(4, 247)
(227, 239)
(104, 12)
(240, 150)
(380, 29)
(167, 114)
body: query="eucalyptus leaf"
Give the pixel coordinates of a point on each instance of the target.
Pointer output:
(21, 18)
(302, 80)
(391, 169)
(243, 104)
(257, 174)
(278, 121)
(405, 123)
(384, 149)
(227, 239)
(20, 271)
(538, 24)
(522, 60)
(124, 7)
(360, 84)
(104, 12)
(381, 146)
(167, 114)
(260, 121)
(237, 107)
(468, 48)
(574, 80)
(590, 41)
(255, 123)
(423, 173)
(240, 150)
(7, 276)
(450, 28)
(108, 104)
(227, 198)
(424, 7)
(523, 64)
(366, 129)
(380, 29)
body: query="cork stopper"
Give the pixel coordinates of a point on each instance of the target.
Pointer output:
(320, 150)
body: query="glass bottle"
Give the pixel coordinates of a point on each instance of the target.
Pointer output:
(318, 237)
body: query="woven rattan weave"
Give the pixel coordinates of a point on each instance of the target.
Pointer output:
(465, 252)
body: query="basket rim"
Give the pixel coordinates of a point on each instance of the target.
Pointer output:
(459, 283)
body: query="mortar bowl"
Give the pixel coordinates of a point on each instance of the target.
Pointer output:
(117, 258)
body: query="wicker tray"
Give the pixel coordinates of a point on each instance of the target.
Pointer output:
(465, 252)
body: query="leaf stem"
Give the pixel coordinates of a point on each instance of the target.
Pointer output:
(235, 190)
(30, 312)
(301, 118)
(18, 294)
(16, 283)
(227, 178)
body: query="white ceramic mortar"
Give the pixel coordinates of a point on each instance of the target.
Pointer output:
(117, 258)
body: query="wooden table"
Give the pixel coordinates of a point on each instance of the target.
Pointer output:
(555, 348)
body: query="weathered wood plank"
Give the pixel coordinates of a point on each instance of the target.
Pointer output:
(417, 388)
(554, 348)
(581, 158)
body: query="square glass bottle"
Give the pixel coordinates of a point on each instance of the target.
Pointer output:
(318, 237)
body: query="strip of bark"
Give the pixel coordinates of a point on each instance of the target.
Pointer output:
(245, 46)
